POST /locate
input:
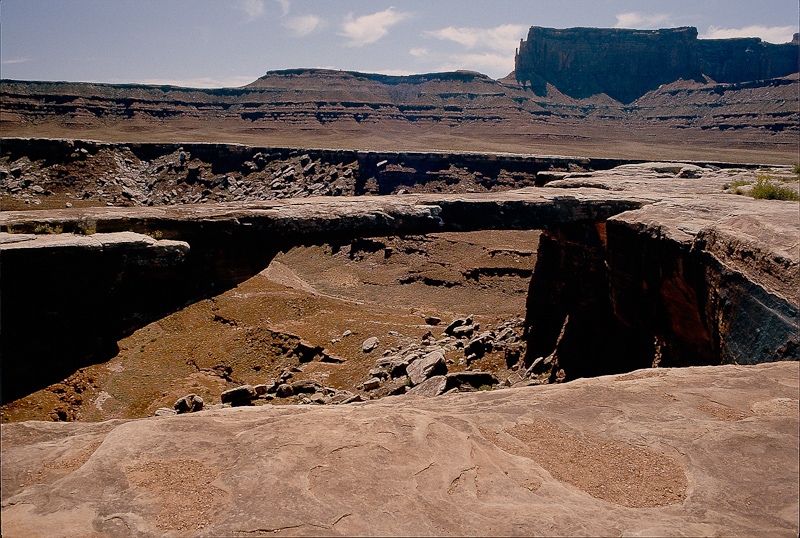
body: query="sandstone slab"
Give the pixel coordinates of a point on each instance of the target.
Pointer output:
(695, 451)
(707, 451)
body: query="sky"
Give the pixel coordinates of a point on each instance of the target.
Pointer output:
(230, 43)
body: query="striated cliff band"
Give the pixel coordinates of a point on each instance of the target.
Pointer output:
(598, 93)
(626, 64)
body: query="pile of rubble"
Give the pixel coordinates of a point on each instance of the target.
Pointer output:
(427, 368)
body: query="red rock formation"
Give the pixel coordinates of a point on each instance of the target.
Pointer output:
(625, 64)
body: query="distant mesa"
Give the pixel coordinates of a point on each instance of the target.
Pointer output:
(625, 64)
(357, 76)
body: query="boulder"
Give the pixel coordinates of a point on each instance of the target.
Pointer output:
(421, 369)
(540, 365)
(188, 404)
(165, 412)
(513, 353)
(397, 367)
(433, 386)
(479, 345)
(370, 344)
(474, 379)
(371, 384)
(458, 322)
(305, 385)
(240, 395)
(343, 396)
(263, 388)
(320, 398)
(380, 373)
(464, 331)
(507, 335)
(433, 320)
(284, 390)
(512, 379)
(393, 387)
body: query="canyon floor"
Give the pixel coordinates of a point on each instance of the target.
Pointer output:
(311, 294)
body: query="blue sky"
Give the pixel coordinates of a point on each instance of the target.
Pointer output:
(213, 43)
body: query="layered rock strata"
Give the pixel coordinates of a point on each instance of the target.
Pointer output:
(626, 64)
(90, 173)
(686, 280)
(103, 297)
(358, 106)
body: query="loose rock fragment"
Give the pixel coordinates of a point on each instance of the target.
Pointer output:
(188, 404)
(241, 395)
(370, 344)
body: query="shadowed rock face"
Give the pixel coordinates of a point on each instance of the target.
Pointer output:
(107, 285)
(625, 64)
(646, 260)
(696, 451)
(673, 273)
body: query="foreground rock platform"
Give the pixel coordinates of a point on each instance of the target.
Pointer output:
(701, 451)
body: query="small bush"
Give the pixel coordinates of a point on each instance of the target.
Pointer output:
(47, 229)
(765, 189)
(796, 169)
(87, 227)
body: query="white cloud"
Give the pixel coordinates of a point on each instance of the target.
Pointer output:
(285, 5)
(503, 38)
(16, 61)
(304, 24)
(252, 8)
(368, 29)
(771, 34)
(419, 53)
(643, 20)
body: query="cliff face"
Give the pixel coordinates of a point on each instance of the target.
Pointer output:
(319, 108)
(626, 64)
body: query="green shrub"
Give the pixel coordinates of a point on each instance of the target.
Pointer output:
(87, 227)
(796, 169)
(765, 189)
(47, 229)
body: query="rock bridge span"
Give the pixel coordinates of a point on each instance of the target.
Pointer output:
(641, 261)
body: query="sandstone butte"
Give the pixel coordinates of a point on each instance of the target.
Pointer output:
(659, 249)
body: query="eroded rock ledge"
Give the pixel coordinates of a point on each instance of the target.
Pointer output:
(650, 262)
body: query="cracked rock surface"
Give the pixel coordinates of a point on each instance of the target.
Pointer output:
(690, 451)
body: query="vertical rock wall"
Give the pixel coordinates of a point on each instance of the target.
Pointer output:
(569, 310)
(626, 64)
(635, 291)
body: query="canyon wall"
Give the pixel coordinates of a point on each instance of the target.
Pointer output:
(322, 108)
(689, 280)
(639, 264)
(625, 64)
